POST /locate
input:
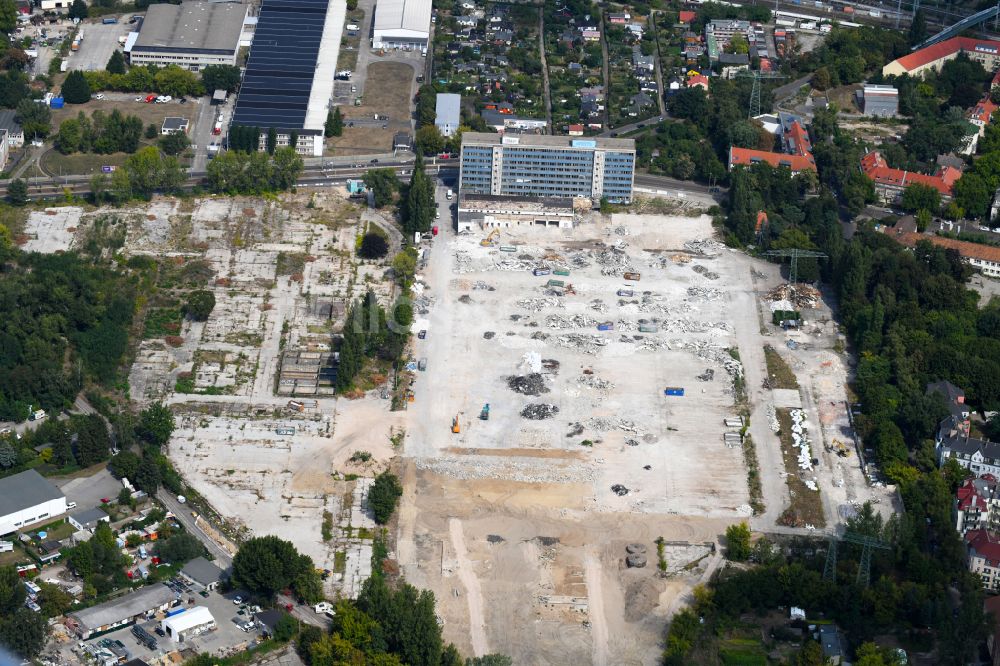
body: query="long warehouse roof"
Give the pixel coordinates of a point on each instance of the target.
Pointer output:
(192, 27)
(283, 61)
(403, 15)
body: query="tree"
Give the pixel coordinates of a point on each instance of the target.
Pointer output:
(17, 192)
(374, 245)
(691, 104)
(24, 631)
(54, 600)
(147, 476)
(148, 170)
(334, 123)
(286, 627)
(151, 131)
(116, 63)
(407, 618)
(309, 586)
(220, 77)
(821, 79)
(78, 10)
(918, 28)
(404, 266)
(11, 590)
(174, 143)
(272, 141)
(199, 305)
(177, 81)
(267, 564)
(8, 455)
(8, 16)
(738, 542)
(383, 495)
(429, 140)
(383, 184)
(92, 439)
(35, 118)
(286, 167)
(490, 660)
(156, 424)
(75, 89)
(179, 548)
(918, 196)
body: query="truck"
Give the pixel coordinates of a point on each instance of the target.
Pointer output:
(217, 128)
(37, 415)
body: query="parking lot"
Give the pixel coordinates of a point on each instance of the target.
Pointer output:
(227, 638)
(98, 43)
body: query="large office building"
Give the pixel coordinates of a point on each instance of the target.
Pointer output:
(402, 24)
(289, 75)
(191, 34)
(26, 499)
(547, 166)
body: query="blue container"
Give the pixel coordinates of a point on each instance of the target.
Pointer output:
(57, 102)
(673, 390)
(176, 611)
(606, 326)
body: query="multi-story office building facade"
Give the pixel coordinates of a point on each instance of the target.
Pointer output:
(547, 166)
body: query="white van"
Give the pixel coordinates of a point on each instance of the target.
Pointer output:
(450, 195)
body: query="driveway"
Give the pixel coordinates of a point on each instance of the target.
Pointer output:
(87, 491)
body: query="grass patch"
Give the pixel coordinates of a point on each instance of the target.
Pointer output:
(162, 321)
(327, 526)
(779, 375)
(56, 164)
(806, 507)
(290, 263)
(340, 561)
(742, 652)
(753, 475)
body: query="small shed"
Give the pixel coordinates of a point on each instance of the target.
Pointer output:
(219, 96)
(174, 125)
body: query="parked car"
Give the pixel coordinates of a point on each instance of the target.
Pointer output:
(237, 600)
(422, 334)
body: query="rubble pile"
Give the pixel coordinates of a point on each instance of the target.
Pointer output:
(800, 439)
(707, 351)
(703, 294)
(587, 343)
(772, 419)
(422, 304)
(626, 326)
(653, 344)
(465, 298)
(600, 424)
(479, 285)
(595, 382)
(576, 321)
(575, 430)
(551, 365)
(489, 335)
(531, 384)
(688, 325)
(597, 305)
(540, 303)
(800, 295)
(579, 260)
(463, 262)
(707, 376)
(705, 247)
(619, 489)
(701, 270)
(621, 230)
(614, 260)
(539, 411)
(506, 264)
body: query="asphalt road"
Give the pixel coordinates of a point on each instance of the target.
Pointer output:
(184, 516)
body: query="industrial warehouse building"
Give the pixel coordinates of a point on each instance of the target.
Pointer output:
(289, 75)
(493, 211)
(122, 611)
(26, 499)
(547, 166)
(191, 35)
(401, 24)
(192, 622)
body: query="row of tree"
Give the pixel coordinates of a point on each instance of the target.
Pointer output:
(369, 332)
(237, 172)
(99, 133)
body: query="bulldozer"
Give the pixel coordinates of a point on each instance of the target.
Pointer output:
(491, 239)
(455, 427)
(485, 414)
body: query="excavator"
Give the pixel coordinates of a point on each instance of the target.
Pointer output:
(491, 239)
(484, 415)
(455, 428)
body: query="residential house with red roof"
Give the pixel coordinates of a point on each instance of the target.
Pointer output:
(983, 51)
(983, 551)
(797, 155)
(979, 115)
(891, 183)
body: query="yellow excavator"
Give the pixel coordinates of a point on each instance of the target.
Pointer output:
(455, 428)
(490, 239)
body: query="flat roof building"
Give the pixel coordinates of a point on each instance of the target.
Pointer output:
(495, 211)
(289, 75)
(880, 101)
(449, 113)
(174, 125)
(203, 573)
(401, 24)
(191, 34)
(190, 623)
(28, 498)
(88, 519)
(547, 166)
(121, 611)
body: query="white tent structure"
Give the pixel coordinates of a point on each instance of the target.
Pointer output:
(401, 24)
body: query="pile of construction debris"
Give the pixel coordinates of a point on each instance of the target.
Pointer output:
(540, 303)
(531, 384)
(701, 270)
(619, 489)
(703, 294)
(799, 295)
(507, 469)
(595, 382)
(576, 321)
(587, 343)
(539, 411)
(597, 305)
(800, 439)
(614, 260)
(483, 286)
(704, 246)
(707, 351)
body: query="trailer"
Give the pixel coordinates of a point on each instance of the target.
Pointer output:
(561, 272)
(540, 271)
(673, 391)
(632, 276)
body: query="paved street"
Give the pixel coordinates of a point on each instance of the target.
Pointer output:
(184, 516)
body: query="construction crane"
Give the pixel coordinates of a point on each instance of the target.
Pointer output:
(867, 543)
(795, 253)
(490, 239)
(757, 75)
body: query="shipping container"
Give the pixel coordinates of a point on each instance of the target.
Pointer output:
(110, 20)
(563, 273)
(632, 276)
(648, 328)
(606, 326)
(508, 248)
(625, 292)
(541, 271)
(673, 390)
(57, 102)
(555, 283)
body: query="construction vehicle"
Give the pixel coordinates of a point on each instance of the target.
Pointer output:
(491, 239)
(485, 414)
(455, 428)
